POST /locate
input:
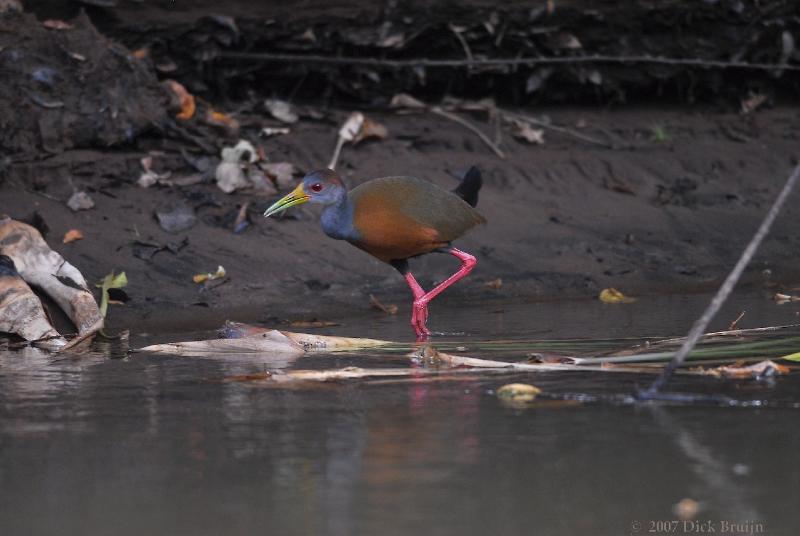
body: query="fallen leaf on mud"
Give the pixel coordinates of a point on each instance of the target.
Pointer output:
(185, 100)
(55, 24)
(403, 100)
(785, 298)
(148, 176)
(21, 311)
(281, 110)
(565, 41)
(612, 295)
(390, 309)
(526, 132)
(495, 284)
(177, 218)
(109, 282)
(759, 370)
(314, 323)
(518, 393)
(140, 53)
(72, 235)
(222, 120)
(371, 129)
(281, 172)
(230, 177)
(242, 153)
(686, 509)
(219, 274)
(80, 201)
(753, 102)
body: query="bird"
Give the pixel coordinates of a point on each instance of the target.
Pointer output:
(395, 219)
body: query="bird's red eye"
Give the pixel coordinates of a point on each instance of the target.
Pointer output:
(316, 187)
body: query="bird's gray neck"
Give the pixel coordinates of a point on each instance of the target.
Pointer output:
(337, 220)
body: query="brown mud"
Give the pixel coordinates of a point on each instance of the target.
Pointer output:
(667, 209)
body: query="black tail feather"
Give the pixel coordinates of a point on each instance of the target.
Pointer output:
(469, 186)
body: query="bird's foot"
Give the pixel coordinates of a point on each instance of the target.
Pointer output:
(419, 317)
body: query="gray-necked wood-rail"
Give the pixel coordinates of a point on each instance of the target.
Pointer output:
(395, 219)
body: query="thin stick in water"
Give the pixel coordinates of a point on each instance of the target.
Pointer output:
(724, 291)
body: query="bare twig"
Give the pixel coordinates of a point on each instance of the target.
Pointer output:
(724, 291)
(464, 45)
(504, 62)
(732, 325)
(453, 117)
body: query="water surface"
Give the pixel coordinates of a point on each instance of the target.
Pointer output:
(142, 444)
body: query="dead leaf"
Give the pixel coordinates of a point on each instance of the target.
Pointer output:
(140, 53)
(80, 201)
(740, 372)
(314, 323)
(72, 235)
(612, 295)
(403, 100)
(753, 102)
(185, 99)
(780, 299)
(390, 309)
(495, 284)
(219, 274)
(222, 120)
(370, 129)
(525, 131)
(281, 110)
(55, 24)
(281, 172)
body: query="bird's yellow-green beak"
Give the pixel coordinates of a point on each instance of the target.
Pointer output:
(296, 197)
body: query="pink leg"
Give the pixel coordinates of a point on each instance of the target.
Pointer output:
(417, 320)
(419, 314)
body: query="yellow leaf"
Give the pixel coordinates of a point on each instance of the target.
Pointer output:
(612, 295)
(792, 357)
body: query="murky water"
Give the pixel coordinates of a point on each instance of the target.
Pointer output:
(159, 445)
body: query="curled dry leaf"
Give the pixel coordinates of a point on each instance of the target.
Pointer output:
(780, 299)
(219, 274)
(390, 309)
(55, 24)
(371, 129)
(281, 110)
(72, 235)
(281, 172)
(495, 284)
(404, 100)
(185, 99)
(612, 295)
(526, 132)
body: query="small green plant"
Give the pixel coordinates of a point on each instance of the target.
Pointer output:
(658, 133)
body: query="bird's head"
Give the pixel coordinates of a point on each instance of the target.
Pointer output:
(323, 186)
